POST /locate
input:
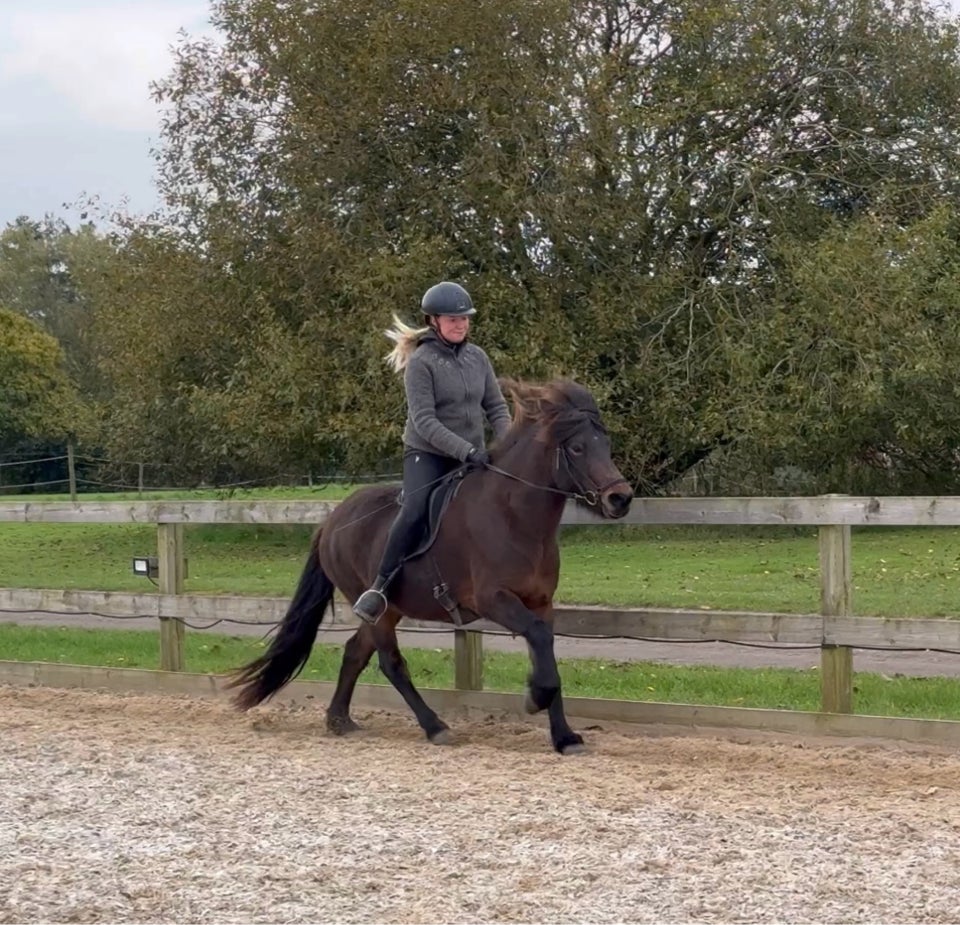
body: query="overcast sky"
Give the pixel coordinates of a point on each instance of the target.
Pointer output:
(76, 116)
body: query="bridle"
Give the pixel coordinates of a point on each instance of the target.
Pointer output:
(564, 461)
(590, 496)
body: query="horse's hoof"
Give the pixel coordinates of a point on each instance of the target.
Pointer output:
(578, 748)
(572, 744)
(442, 737)
(342, 726)
(529, 705)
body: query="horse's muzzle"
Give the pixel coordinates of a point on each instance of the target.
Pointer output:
(616, 502)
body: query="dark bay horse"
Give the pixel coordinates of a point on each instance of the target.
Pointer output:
(496, 550)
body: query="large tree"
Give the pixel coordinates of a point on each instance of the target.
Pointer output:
(623, 186)
(41, 265)
(37, 399)
(856, 359)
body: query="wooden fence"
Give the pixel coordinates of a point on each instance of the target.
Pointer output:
(835, 630)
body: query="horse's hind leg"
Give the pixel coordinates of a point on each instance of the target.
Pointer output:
(394, 666)
(356, 654)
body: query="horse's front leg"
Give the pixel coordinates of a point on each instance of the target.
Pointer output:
(564, 739)
(543, 685)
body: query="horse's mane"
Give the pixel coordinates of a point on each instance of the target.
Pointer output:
(550, 406)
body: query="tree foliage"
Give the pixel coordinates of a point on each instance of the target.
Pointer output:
(41, 263)
(866, 337)
(679, 204)
(37, 400)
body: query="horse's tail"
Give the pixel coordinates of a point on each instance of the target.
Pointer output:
(290, 649)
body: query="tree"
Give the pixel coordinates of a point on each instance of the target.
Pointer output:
(37, 400)
(861, 386)
(40, 266)
(623, 186)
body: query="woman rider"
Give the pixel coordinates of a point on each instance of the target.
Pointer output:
(451, 390)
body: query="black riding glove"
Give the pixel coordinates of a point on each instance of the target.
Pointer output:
(478, 457)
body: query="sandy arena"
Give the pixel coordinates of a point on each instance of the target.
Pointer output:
(131, 808)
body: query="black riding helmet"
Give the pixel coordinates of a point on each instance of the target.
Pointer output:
(447, 299)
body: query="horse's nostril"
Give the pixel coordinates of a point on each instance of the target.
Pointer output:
(619, 501)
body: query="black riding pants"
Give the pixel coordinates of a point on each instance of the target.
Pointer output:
(420, 471)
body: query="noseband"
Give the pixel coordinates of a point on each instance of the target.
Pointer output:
(589, 496)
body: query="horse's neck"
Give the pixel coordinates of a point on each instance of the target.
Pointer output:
(535, 465)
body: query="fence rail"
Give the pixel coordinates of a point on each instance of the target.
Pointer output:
(825, 510)
(835, 629)
(643, 623)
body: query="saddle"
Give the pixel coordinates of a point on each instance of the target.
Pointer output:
(440, 497)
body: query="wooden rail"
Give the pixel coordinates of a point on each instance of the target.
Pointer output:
(823, 510)
(658, 624)
(834, 629)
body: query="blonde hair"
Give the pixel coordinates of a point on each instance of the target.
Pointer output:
(405, 338)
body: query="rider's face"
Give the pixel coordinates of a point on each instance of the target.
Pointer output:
(453, 328)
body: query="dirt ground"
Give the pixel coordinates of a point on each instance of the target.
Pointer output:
(132, 808)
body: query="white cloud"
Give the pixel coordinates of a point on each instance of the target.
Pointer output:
(99, 59)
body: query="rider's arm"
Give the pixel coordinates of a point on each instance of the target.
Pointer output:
(494, 404)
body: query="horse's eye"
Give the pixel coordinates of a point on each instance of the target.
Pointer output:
(576, 448)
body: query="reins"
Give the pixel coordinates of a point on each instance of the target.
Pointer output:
(590, 496)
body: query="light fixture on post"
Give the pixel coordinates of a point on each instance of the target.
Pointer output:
(146, 566)
(149, 567)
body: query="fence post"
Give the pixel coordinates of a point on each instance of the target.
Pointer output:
(836, 587)
(71, 472)
(171, 569)
(467, 660)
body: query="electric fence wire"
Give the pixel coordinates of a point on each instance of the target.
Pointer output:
(29, 462)
(269, 625)
(278, 479)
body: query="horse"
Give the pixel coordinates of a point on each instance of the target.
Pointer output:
(494, 553)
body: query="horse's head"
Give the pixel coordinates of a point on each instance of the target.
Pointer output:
(565, 418)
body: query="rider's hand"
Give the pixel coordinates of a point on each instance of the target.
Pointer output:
(478, 457)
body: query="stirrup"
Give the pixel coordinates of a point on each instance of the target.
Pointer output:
(371, 605)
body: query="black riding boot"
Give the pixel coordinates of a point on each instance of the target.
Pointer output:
(420, 471)
(372, 604)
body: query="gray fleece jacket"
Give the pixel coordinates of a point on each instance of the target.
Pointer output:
(450, 390)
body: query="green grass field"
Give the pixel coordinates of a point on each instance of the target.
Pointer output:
(897, 572)
(931, 698)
